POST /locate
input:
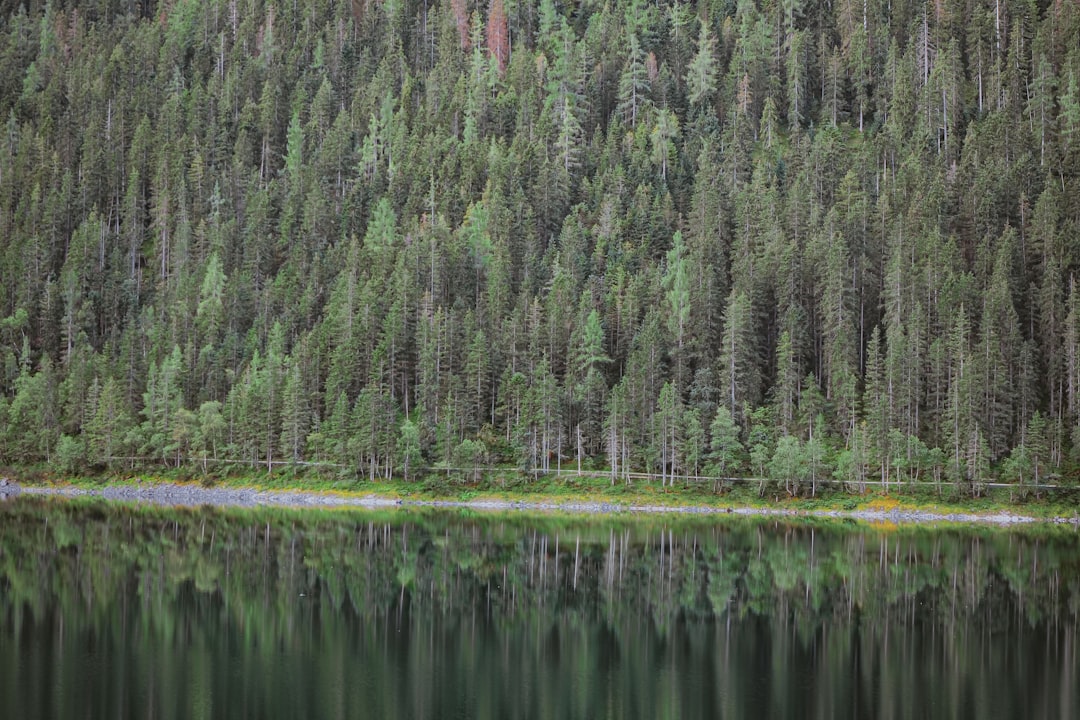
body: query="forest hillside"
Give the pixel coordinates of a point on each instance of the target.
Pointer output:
(771, 238)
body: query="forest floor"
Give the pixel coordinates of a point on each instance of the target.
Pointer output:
(586, 494)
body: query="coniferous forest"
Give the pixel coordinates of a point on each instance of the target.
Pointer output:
(768, 238)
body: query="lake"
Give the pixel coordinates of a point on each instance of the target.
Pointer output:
(122, 611)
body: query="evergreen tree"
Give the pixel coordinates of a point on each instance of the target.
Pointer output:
(725, 450)
(411, 453)
(294, 413)
(701, 75)
(667, 441)
(248, 252)
(693, 434)
(616, 422)
(634, 88)
(740, 379)
(677, 286)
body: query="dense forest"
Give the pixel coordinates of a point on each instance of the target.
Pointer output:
(769, 238)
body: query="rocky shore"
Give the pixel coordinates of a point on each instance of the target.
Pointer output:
(194, 495)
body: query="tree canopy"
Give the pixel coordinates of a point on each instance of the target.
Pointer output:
(390, 235)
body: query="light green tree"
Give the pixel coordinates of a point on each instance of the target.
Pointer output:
(702, 73)
(788, 463)
(725, 450)
(409, 449)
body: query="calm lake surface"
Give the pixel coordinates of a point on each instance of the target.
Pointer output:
(118, 611)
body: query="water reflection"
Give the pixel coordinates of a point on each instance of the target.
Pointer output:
(148, 612)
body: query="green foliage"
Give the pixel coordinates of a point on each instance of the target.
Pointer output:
(788, 465)
(470, 456)
(701, 75)
(69, 455)
(592, 233)
(591, 352)
(635, 102)
(725, 450)
(411, 453)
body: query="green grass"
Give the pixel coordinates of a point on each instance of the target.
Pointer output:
(510, 485)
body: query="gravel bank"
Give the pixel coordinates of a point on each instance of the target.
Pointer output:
(195, 495)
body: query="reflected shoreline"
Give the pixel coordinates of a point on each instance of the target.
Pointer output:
(140, 609)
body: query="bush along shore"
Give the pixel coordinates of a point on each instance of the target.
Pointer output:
(568, 491)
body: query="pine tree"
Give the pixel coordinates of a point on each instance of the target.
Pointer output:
(666, 441)
(616, 442)
(664, 133)
(479, 409)
(796, 79)
(161, 401)
(676, 283)
(565, 102)
(498, 35)
(1070, 107)
(875, 407)
(1072, 353)
(1037, 442)
(839, 356)
(740, 379)
(999, 340)
(409, 448)
(106, 429)
(546, 418)
(725, 450)
(785, 390)
(959, 416)
(294, 413)
(634, 88)
(701, 75)
(210, 315)
(694, 447)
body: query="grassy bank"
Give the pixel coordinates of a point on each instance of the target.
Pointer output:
(586, 488)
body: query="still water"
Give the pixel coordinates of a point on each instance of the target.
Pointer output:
(148, 612)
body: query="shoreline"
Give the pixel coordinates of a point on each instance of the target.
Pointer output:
(177, 494)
